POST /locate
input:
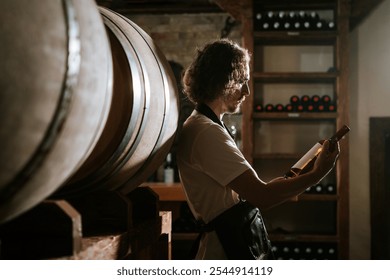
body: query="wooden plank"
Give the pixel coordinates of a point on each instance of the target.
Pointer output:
(103, 212)
(167, 192)
(51, 229)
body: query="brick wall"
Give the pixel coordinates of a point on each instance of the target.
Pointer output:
(178, 35)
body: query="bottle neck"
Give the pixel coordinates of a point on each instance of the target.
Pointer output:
(339, 134)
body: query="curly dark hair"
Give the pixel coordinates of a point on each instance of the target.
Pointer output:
(217, 68)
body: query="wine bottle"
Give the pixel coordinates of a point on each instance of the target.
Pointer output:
(318, 189)
(281, 19)
(265, 26)
(314, 16)
(330, 189)
(289, 108)
(269, 108)
(258, 22)
(331, 107)
(320, 24)
(321, 108)
(305, 102)
(276, 25)
(287, 25)
(306, 163)
(305, 99)
(279, 108)
(307, 21)
(315, 99)
(326, 99)
(308, 252)
(300, 108)
(259, 108)
(310, 108)
(309, 190)
(331, 25)
(169, 171)
(294, 100)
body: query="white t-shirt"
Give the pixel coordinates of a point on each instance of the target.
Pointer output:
(208, 159)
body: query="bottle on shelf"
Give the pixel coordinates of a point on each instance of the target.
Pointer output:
(169, 171)
(265, 25)
(289, 108)
(309, 190)
(271, 15)
(300, 108)
(281, 20)
(294, 100)
(287, 25)
(259, 108)
(321, 108)
(279, 107)
(310, 108)
(330, 189)
(326, 99)
(314, 16)
(291, 16)
(306, 163)
(305, 99)
(320, 24)
(269, 108)
(315, 101)
(308, 252)
(319, 189)
(276, 25)
(305, 20)
(331, 25)
(331, 107)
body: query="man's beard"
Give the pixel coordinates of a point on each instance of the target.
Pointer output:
(233, 108)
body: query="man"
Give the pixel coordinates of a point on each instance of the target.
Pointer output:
(213, 171)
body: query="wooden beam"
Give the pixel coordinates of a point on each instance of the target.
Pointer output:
(160, 6)
(237, 9)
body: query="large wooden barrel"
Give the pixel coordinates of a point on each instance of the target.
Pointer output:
(55, 94)
(143, 117)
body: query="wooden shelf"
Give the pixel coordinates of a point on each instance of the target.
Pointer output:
(167, 192)
(185, 235)
(302, 237)
(294, 115)
(313, 38)
(300, 77)
(335, 83)
(317, 197)
(296, 5)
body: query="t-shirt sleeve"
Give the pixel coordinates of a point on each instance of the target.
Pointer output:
(216, 153)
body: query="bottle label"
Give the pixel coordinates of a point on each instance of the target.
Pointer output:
(314, 151)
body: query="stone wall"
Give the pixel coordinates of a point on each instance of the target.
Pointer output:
(178, 35)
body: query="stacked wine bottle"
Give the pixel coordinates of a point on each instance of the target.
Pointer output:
(321, 189)
(291, 21)
(304, 103)
(304, 251)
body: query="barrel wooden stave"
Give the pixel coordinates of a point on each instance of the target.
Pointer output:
(32, 80)
(148, 133)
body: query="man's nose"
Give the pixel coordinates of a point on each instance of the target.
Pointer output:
(245, 89)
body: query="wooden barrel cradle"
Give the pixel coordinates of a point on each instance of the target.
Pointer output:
(143, 116)
(55, 94)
